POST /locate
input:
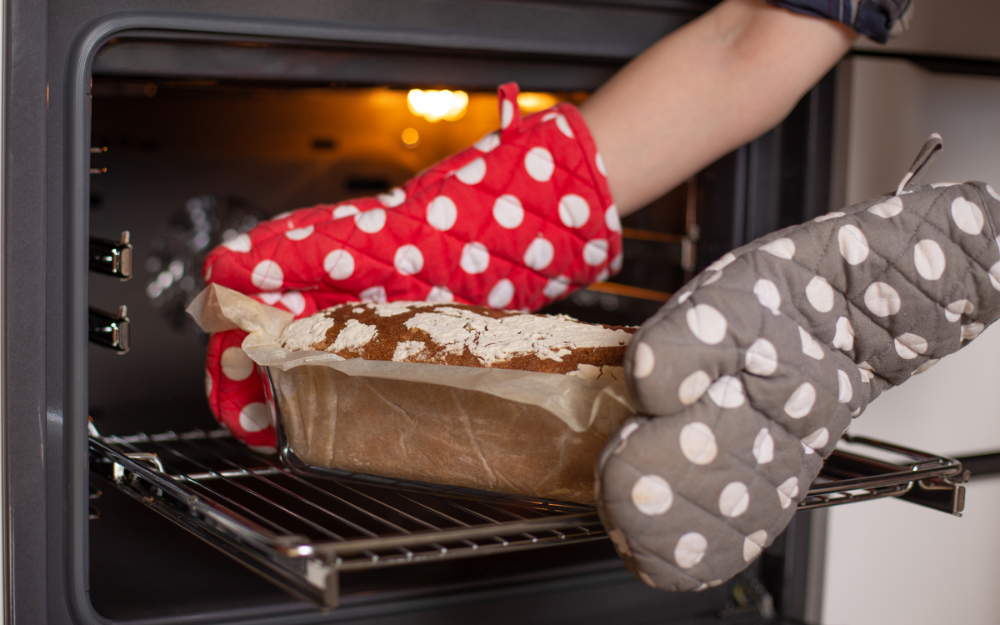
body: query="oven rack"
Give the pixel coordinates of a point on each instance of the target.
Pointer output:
(301, 526)
(301, 531)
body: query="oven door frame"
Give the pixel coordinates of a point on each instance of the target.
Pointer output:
(51, 46)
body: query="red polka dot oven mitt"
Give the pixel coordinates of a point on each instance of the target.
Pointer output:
(755, 369)
(518, 220)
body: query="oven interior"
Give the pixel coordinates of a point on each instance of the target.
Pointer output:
(197, 138)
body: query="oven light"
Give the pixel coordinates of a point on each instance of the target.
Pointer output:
(410, 137)
(434, 105)
(531, 102)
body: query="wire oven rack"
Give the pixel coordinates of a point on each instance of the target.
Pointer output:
(301, 530)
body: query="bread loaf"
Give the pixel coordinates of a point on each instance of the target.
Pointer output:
(464, 335)
(432, 432)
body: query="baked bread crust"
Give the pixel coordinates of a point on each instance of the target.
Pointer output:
(463, 335)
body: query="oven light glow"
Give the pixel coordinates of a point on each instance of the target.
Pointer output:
(434, 105)
(531, 102)
(410, 137)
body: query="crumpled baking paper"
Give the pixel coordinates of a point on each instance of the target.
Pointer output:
(523, 432)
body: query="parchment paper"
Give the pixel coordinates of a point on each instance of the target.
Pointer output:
(537, 434)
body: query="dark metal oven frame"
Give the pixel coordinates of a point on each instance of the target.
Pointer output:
(51, 47)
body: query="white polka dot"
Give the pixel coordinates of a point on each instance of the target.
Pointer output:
(942, 185)
(208, 383)
(616, 263)
(281, 216)
(693, 387)
(208, 273)
(995, 276)
(300, 233)
(294, 301)
(267, 276)
(506, 113)
(853, 244)
(761, 358)
(612, 220)
(644, 361)
(954, 311)
(627, 430)
(972, 330)
(845, 391)
(887, 209)
(507, 211)
(753, 545)
(574, 211)
(339, 264)
(239, 243)
(768, 295)
(685, 296)
(866, 372)
(373, 295)
(727, 392)
(909, 346)
(820, 294)
(818, 439)
(856, 412)
(501, 294)
(707, 324)
(442, 213)
(254, 417)
(788, 491)
(563, 125)
(782, 248)
(236, 365)
(690, 550)
(992, 191)
(595, 252)
(346, 210)
(882, 300)
(829, 216)
(929, 259)
(599, 161)
(924, 367)
(370, 221)
(651, 495)
(698, 444)
(763, 446)
(734, 499)
(843, 339)
(539, 164)
(409, 260)
(968, 217)
(539, 254)
(264, 449)
(269, 298)
(440, 295)
(488, 143)
(475, 258)
(393, 198)
(801, 401)
(810, 346)
(472, 172)
(556, 287)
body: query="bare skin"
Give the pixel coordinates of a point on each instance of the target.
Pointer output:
(704, 90)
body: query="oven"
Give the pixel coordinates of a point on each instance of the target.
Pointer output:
(138, 134)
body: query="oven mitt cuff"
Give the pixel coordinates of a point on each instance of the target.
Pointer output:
(875, 19)
(520, 219)
(755, 369)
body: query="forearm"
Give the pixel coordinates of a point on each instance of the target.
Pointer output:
(706, 89)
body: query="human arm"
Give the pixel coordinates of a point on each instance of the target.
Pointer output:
(705, 89)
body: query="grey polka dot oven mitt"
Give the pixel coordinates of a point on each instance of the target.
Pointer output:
(755, 368)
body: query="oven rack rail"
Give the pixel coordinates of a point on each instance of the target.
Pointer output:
(301, 526)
